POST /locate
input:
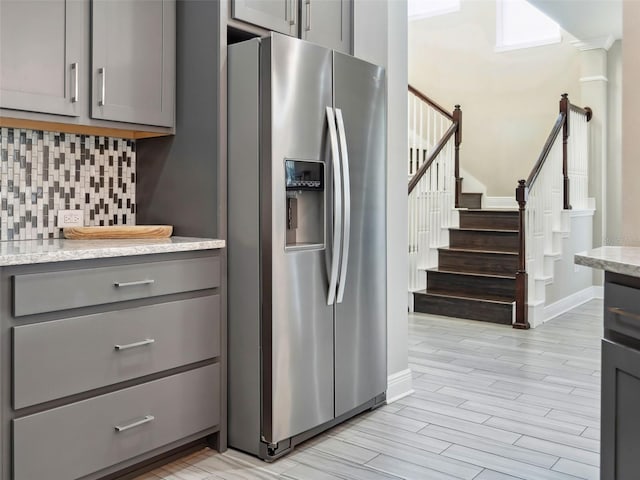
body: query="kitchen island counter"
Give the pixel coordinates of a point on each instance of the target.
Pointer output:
(26, 252)
(623, 260)
(620, 418)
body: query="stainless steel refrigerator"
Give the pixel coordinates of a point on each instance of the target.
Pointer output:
(306, 241)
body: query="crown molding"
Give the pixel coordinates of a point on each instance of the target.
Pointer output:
(605, 42)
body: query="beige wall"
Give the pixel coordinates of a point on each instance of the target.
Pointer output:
(509, 99)
(613, 224)
(629, 191)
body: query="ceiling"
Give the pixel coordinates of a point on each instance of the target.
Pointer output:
(593, 22)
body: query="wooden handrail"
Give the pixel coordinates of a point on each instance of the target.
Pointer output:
(586, 111)
(433, 104)
(537, 168)
(432, 156)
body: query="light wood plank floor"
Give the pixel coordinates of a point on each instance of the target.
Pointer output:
(490, 403)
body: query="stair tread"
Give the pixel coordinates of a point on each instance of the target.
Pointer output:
(497, 230)
(469, 250)
(471, 274)
(492, 210)
(468, 296)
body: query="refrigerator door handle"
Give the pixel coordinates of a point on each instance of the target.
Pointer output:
(337, 208)
(346, 187)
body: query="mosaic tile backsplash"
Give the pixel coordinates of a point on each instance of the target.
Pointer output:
(43, 172)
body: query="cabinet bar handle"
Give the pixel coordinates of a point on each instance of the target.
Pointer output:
(146, 419)
(292, 12)
(142, 343)
(308, 27)
(133, 284)
(103, 80)
(74, 70)
(623, 313)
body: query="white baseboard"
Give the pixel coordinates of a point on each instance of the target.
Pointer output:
(572, 301)
(399, 385)
(499, 202)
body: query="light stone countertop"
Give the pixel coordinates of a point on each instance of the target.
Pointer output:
(624, 260)
(24, 252)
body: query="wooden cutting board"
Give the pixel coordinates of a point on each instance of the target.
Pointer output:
(118, 232)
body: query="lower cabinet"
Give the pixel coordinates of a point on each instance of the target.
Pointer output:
(620, 417)
(620, 448)
(84, 437)
(125, 366)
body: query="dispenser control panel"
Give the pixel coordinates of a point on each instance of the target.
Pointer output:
(304, 175)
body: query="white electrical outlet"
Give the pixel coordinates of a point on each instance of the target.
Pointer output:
(70, 218)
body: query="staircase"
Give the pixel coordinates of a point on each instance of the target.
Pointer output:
(475, 276)
(483, 264)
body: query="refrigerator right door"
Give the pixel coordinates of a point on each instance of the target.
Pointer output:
(361, 317)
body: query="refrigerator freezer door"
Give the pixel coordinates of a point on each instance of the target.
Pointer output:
(297, 328)
(360, 323)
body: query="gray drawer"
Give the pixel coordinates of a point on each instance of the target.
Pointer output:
(63, 357)
(81, 438)
(50, 292)
(622, 309)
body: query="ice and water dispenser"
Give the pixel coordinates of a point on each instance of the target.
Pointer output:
(305, 185)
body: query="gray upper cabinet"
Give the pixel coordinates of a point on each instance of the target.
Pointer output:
(41, 50)
(327, 23)
(133, 61)
(276, 15)
(324, 22)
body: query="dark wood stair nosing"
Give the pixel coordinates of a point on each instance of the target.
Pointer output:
(471, 274)
(483, 230)
(468, 296)
(472, 251)
(492, 210)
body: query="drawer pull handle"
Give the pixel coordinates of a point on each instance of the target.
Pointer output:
(146, 419)
(133, 284)
(623, 313)
(142, 343)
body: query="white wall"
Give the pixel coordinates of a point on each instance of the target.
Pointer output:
(380, 36)
(629, 190)
(568, 278)
(613, 224)
(509, 99)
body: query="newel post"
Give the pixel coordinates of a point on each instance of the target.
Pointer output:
(521, 321)
(457, 119)
(565, 108)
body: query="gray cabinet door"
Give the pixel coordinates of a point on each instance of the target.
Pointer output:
(276, 15)
(41, 50)
(327, 23)
(620, 444)
(133, 61)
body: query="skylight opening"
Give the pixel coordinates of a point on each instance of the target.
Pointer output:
(419, 9)
(520, 25)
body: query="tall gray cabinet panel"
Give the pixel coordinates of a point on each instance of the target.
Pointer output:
(133, 61)
(327, 23)
(276, 15)
(41, 50)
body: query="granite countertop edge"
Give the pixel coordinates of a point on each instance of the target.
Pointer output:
(26, 252)
(623, 260)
